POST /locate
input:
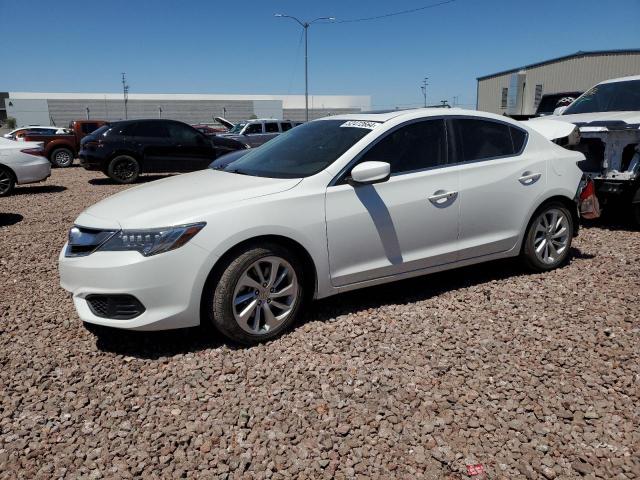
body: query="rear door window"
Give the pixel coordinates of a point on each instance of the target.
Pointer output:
(478, 139)
(271, 127)
(87, 128)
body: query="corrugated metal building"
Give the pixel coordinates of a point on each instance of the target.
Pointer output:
(31, 108)
(518, 91)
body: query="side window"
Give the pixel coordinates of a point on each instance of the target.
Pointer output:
(478, 139)
(150, 129)
(127, 130)
(271, 127)
(285, 126)
(254, 128)
(88, 127)
(181, 133)
(413, 147)
(518, 137)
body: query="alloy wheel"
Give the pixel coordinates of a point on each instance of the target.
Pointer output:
(5, 182)
(63, 158)
(551, 236)
(125, 169)
(265, 295)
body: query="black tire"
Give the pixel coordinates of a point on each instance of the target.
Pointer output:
(218, 296)
(532, 238)
(123, 169)
(7, 182)
(61, 157)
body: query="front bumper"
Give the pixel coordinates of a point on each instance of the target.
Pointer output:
(169, 285)
(89, 161)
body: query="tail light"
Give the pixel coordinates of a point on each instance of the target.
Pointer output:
(33, 151)
(588, 190)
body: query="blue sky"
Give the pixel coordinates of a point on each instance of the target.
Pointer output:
(200, 46)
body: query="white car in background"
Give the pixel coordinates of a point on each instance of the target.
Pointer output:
(336, 204)
(18, 133)
(20, 163)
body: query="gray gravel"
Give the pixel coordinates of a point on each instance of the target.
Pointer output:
(532, 376)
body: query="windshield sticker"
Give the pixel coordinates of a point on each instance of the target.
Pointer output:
(360, 124)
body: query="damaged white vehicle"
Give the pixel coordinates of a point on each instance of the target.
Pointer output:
(608, 119)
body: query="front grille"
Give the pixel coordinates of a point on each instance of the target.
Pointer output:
(117, 307)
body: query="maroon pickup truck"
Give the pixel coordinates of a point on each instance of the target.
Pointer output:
(62, 148)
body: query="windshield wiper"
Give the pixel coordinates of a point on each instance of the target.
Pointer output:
(236, 170)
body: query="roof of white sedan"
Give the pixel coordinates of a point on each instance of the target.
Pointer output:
(621, 79)
(384, 116)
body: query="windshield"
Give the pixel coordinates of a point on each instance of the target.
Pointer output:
(237, 128)
(302, 151)
(101, 130)
(608, 97)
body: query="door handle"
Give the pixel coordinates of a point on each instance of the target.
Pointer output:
(442, 198)
(529, 178)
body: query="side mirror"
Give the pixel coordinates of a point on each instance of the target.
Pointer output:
(559, 110)
(368, 173)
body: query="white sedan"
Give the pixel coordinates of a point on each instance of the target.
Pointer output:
(20, 163)
(336, 204)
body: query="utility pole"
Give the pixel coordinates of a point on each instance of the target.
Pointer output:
(125, 93)
(423, 87)
(306, 26)
(455, 100)
(159, 111)
(88, 117)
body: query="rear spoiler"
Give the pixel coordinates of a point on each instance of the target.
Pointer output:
(562, 133)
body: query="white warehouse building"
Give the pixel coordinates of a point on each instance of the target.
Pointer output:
(31, 108)
(518, 91)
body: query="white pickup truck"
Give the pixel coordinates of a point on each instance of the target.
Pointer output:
(608, 121)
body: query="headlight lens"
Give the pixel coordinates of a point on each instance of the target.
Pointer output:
(152, 241)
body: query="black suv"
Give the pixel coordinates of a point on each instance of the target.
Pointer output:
(124, 150)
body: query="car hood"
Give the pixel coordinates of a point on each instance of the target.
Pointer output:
(632, 118)
(179, 200)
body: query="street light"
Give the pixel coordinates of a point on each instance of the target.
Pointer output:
(306, 26)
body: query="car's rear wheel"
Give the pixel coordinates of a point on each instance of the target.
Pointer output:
(61, 157)
(123, 169)
(258, 294)
(548, 239)
(7, 182)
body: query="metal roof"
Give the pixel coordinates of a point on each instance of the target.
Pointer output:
(560, 59)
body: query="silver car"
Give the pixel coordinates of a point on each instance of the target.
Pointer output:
(20, 163)
(254, 133)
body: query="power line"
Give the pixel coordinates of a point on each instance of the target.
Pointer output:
(393, 14)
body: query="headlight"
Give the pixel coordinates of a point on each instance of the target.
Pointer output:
(152, 241)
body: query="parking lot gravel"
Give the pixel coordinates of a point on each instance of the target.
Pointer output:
(527, 375)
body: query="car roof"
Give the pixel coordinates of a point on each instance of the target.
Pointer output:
(386, 115)
(621, 79)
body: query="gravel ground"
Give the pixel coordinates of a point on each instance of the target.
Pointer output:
(532, 376)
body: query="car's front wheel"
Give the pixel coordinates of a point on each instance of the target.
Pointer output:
(548, 239)
(258, 295)
(123, 169)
